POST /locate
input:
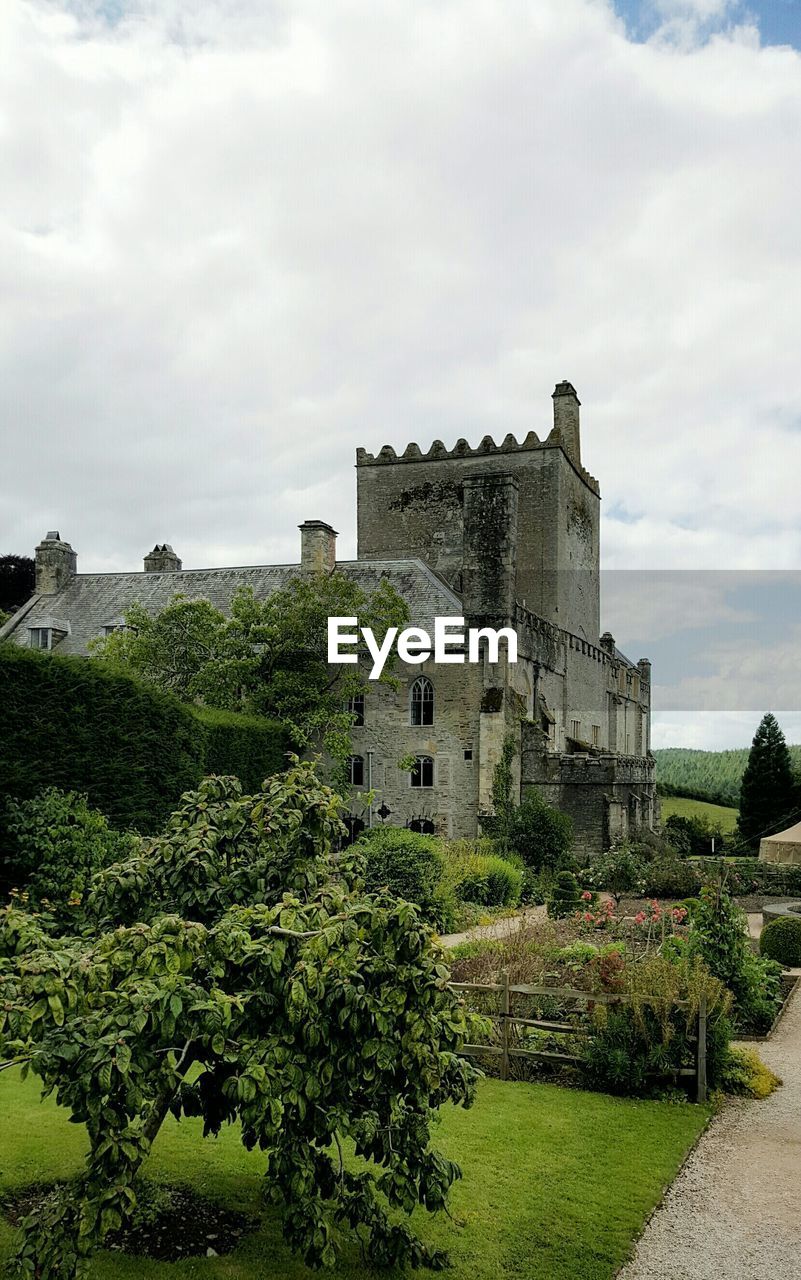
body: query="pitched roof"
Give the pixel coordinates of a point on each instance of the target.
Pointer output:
(92, 601)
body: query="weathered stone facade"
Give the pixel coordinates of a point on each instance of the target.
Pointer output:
(503, 535)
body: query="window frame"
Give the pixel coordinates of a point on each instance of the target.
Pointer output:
(421, 762)
(355, 764)
(40, 631)
(425, 700)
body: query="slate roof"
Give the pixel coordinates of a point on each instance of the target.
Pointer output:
(92, 601)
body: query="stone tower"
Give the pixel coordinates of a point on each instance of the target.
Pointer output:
(529, 508)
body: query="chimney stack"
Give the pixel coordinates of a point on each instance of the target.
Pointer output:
(566, 406)
(608, 642)
(162, 559)
(56, 564)
(318, 547)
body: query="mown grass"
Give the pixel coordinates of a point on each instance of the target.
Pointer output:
(557, 1183)
(717, 814)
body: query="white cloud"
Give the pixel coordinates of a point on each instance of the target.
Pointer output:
(238, 239)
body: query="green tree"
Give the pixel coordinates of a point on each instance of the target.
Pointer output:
(541, 835)
(269, 657)
(17, 581)
(502, 798)
(234, 970)
(768, 795)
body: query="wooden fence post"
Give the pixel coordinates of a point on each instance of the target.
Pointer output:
(701, 1050)
(505, 1025)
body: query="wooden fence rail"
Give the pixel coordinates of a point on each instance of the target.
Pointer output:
(506, 1019)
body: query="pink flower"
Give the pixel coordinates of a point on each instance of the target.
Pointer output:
(589, 917)
(640, 917)
(586, 896)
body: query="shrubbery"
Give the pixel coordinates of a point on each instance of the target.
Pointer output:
(58, 843)
(404, 865)
(490, 881)
(670, 877)
(718, 935)
(541, 835)
(780, 940)
(75, 724)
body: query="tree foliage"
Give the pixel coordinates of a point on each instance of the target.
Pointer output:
(269, 656)
(541, 835)
(235, 970)
(17, 581)
(714, 776)
(768, 793)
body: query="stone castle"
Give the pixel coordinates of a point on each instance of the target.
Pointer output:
(503, 535)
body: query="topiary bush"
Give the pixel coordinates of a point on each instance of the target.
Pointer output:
(405, 865)
(58, 842)
(780, 940)
(565, 896)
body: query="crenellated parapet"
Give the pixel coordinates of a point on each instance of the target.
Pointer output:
(438, 452)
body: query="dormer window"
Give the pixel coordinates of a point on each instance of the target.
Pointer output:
(49, 633)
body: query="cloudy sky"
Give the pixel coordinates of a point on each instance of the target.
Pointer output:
(239, 238)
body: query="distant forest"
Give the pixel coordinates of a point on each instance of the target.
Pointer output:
(706, 775)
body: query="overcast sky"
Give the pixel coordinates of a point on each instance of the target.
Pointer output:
(239, 238)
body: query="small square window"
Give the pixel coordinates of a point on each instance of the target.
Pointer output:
(40, 637)
(468, 753)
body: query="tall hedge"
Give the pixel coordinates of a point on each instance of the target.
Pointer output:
(73, 724)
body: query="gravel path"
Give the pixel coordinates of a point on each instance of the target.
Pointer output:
(734, 1212)
(502, 928)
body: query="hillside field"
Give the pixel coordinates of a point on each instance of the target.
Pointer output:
(708, 775)
(718, 814)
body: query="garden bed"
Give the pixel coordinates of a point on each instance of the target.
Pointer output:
(174, 1222)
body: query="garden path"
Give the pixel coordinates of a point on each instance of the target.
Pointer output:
(502, 928)
(734, 1212)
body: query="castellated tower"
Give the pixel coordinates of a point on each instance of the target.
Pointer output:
(499, 523)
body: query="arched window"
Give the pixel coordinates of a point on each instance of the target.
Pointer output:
(422, 701)
(355, 706)
(423, 772)
(356, 771)
(423, 826)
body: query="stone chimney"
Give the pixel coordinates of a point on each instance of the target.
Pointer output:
(608, 642)
(566, 406)
(162, 559)
(318, 547)
(56, 564)
(489, 545)
(644, 666)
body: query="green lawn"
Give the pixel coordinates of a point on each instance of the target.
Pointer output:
(557, 1183)
(685, 808)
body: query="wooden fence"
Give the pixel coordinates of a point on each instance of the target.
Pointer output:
(506, 1019)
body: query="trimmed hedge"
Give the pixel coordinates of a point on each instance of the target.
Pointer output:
(404, 864)
(490, 882)
(781, 940)
(72, 723)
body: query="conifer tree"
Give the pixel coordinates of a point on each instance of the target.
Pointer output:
(768, 790)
